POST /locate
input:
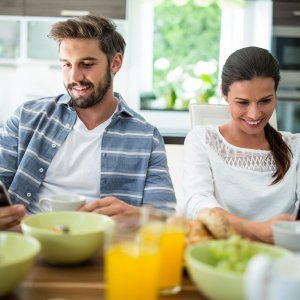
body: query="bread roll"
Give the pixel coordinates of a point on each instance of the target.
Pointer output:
(196, 232)
(216, 223)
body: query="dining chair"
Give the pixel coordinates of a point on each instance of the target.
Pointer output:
(216, 114)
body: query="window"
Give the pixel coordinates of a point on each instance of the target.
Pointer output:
(243, 23)
(186, 37)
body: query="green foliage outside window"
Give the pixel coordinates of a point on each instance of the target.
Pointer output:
(186, 53)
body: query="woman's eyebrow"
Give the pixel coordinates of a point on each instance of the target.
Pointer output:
(244, 99)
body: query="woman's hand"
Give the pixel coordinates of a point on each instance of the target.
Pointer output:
(262, 231)
(257, 231)
(111, 206)
(11, 216)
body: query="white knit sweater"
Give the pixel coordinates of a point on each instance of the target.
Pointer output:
(218, 174)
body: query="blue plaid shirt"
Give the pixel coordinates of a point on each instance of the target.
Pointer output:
(133, 159)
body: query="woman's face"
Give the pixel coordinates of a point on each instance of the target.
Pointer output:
(251, 103)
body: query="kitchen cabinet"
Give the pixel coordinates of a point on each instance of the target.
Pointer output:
(12, 7)
(115, 9)
(25, 39)
(9, 39)
(286, 13)
(39, 46)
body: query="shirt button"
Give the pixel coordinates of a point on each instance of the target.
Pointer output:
(53, 145)
(28, 195)
(67, 125)
(41, 170)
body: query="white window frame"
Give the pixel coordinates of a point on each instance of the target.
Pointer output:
(240, 27)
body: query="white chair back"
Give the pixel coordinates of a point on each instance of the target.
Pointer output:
(215, 114)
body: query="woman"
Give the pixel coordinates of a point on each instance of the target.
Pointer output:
(245, 168)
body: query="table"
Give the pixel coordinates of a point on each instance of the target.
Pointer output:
(81, 282)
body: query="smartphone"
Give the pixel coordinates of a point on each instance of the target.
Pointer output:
(4, 196)
(298, 214)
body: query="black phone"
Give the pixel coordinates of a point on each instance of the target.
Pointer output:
(4, 196)
(298, 214)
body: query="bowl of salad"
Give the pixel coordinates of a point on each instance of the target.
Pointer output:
(217, 267)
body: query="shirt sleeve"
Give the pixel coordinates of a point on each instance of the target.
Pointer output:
(297, 204)
(9, 149)
(198, 182)
(158, 189)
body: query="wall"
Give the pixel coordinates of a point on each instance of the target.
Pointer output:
(175, 163)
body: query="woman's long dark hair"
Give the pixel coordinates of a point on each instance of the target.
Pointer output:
(246, 64)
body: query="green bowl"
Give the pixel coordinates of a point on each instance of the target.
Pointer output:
(215, 283)
(17, 254)
(84, 239)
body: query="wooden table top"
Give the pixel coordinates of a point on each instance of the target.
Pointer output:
(81, 282)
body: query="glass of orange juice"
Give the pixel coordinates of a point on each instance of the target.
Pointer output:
(132, 258)
(172, 249)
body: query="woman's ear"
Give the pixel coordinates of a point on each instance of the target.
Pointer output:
(225, 97)
(116, 63)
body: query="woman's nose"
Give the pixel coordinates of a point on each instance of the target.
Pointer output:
(253, 112)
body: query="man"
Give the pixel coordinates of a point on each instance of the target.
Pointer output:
(88, 142)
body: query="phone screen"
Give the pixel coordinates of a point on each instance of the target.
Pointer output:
(4, 197)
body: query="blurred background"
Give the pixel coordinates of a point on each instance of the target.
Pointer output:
(175, 50)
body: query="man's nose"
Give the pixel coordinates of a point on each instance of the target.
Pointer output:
(76, 75)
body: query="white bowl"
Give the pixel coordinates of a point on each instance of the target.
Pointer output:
(287, 234)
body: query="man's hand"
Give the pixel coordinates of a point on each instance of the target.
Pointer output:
(112, 207)
(11, 216)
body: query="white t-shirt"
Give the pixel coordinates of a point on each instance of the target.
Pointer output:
(75, 169)
(218, 174)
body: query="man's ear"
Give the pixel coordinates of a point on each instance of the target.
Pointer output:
(116, 63)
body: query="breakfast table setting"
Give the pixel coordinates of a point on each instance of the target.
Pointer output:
(73, 255)
(84, 281)
(67, 258)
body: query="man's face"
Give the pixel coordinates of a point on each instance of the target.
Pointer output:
(86, 71)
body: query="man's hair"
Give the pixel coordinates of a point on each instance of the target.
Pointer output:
(91, 27)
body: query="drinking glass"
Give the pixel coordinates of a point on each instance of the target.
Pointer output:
(132, 258)
(172, 249)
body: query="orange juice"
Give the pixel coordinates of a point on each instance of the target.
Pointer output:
(171, 259)
(131, 272)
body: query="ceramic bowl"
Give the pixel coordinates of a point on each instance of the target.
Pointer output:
(17, 254)
(215, 283)
(82, 240)
(287, 234)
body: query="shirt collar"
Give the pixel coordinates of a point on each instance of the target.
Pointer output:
(63, 99)
(123, 108)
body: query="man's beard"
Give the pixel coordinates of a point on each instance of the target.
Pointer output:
(95, 97)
